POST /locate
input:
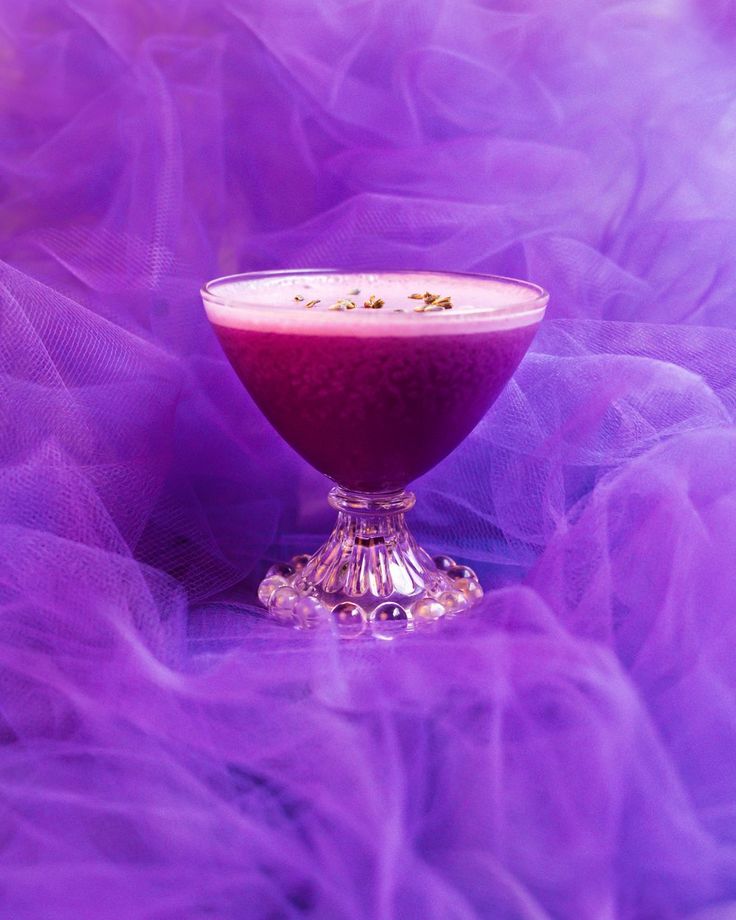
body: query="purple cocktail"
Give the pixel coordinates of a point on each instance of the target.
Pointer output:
(373, 379)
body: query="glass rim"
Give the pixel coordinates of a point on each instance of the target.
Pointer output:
(537, 302)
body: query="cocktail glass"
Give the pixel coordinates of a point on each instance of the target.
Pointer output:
(373, 378)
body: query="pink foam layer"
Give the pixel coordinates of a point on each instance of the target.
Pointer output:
(247, 302)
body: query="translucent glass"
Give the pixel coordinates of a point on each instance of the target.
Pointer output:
(373, 378)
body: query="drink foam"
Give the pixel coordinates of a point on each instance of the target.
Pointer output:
(267, 303)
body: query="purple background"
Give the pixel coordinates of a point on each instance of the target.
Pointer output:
(569, 755)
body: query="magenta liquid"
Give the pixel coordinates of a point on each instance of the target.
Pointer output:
(374, 412)
(373, 398)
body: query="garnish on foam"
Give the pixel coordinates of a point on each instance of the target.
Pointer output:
(431, 303)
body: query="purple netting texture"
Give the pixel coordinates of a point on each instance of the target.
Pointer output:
(569, 754)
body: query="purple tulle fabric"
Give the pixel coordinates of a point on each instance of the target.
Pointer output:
(569, 753)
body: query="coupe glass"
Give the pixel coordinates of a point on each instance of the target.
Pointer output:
(373, 378)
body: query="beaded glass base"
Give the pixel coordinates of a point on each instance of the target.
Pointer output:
(370, 576)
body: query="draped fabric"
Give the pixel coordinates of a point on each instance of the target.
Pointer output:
(565, 754)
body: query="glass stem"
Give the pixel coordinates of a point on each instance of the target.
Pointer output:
(371, 553)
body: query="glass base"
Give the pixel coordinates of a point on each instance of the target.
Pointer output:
(370, 576)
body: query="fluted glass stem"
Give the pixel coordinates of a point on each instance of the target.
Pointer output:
(370, 576)
(371, 554)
